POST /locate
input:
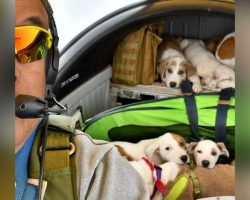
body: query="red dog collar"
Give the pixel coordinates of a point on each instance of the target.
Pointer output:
(156, 174)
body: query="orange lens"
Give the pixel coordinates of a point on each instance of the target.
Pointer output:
(31, 43)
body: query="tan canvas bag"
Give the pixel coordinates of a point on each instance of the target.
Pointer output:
(134, 61)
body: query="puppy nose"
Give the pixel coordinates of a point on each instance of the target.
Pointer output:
(184, 158)
(172, 84)
(205, 163)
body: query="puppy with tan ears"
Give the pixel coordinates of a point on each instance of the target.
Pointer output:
(152, 177)
(216, 75)
(173, 66)
(206, 152)
(169, 147)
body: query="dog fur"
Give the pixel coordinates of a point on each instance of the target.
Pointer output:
(173, 66)
(169, 147)
(218, 181)
(225, 51)
(215, 74)
(206, 152)
(170, 171)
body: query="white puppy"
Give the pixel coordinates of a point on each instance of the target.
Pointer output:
(170, 171)
(215, 74)
(169, 147)
(173, 66)
(207, 152)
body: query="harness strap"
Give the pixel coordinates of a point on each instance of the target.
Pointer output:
(57, 152)
(221, 115)
(59, 167)
(151, 165)
(158, 185)
(191, 108)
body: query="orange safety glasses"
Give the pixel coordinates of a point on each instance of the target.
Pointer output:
(31, 43)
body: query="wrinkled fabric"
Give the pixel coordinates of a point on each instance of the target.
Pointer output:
(102, 174)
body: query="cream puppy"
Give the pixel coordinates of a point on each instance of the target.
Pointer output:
(169, 147)
(169, 172)
(173, 66)
(215, 74)
(207, 152)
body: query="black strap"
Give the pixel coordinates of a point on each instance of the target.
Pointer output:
(191, 108)
(221, 115)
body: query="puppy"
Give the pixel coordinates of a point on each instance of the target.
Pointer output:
(215, 74)
(207, 152)
(173, 66)
(169, 147)
(225, 51)
(169, 172)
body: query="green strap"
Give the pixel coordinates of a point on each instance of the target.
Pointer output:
(59, 169)
(196, 184)
(57, 151)
(178, 187)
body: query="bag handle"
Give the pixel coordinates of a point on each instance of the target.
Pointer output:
(191, 108)
(221, 114)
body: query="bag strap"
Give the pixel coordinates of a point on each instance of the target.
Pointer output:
(221, 114)
(191, 108)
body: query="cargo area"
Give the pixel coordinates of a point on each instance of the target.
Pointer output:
(89, 84)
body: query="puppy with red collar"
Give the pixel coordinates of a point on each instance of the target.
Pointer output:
(167, 147)
(156, 177)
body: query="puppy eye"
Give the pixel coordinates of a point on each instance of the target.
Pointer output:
(199, 151)
(214, 153)
(167, 148)
(181, 144)
(170, 71)
(180, 72)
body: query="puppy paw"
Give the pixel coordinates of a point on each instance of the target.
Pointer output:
(197, 88)
(212, 84)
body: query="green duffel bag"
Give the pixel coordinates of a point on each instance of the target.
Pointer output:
(193, 116)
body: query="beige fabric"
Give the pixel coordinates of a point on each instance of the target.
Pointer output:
(102, 174)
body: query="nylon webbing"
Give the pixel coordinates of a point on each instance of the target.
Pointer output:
(57, 151)
(191, 108)
(196, 184)
(221, 115)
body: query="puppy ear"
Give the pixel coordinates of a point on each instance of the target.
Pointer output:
(189, 69)
(151, 149)
(191, 147)
(162, 67)
(223, 149)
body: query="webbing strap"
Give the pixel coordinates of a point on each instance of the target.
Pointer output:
(57, 151)
(59, 168)
(191, 108)
(221, 115)
(196, 184)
